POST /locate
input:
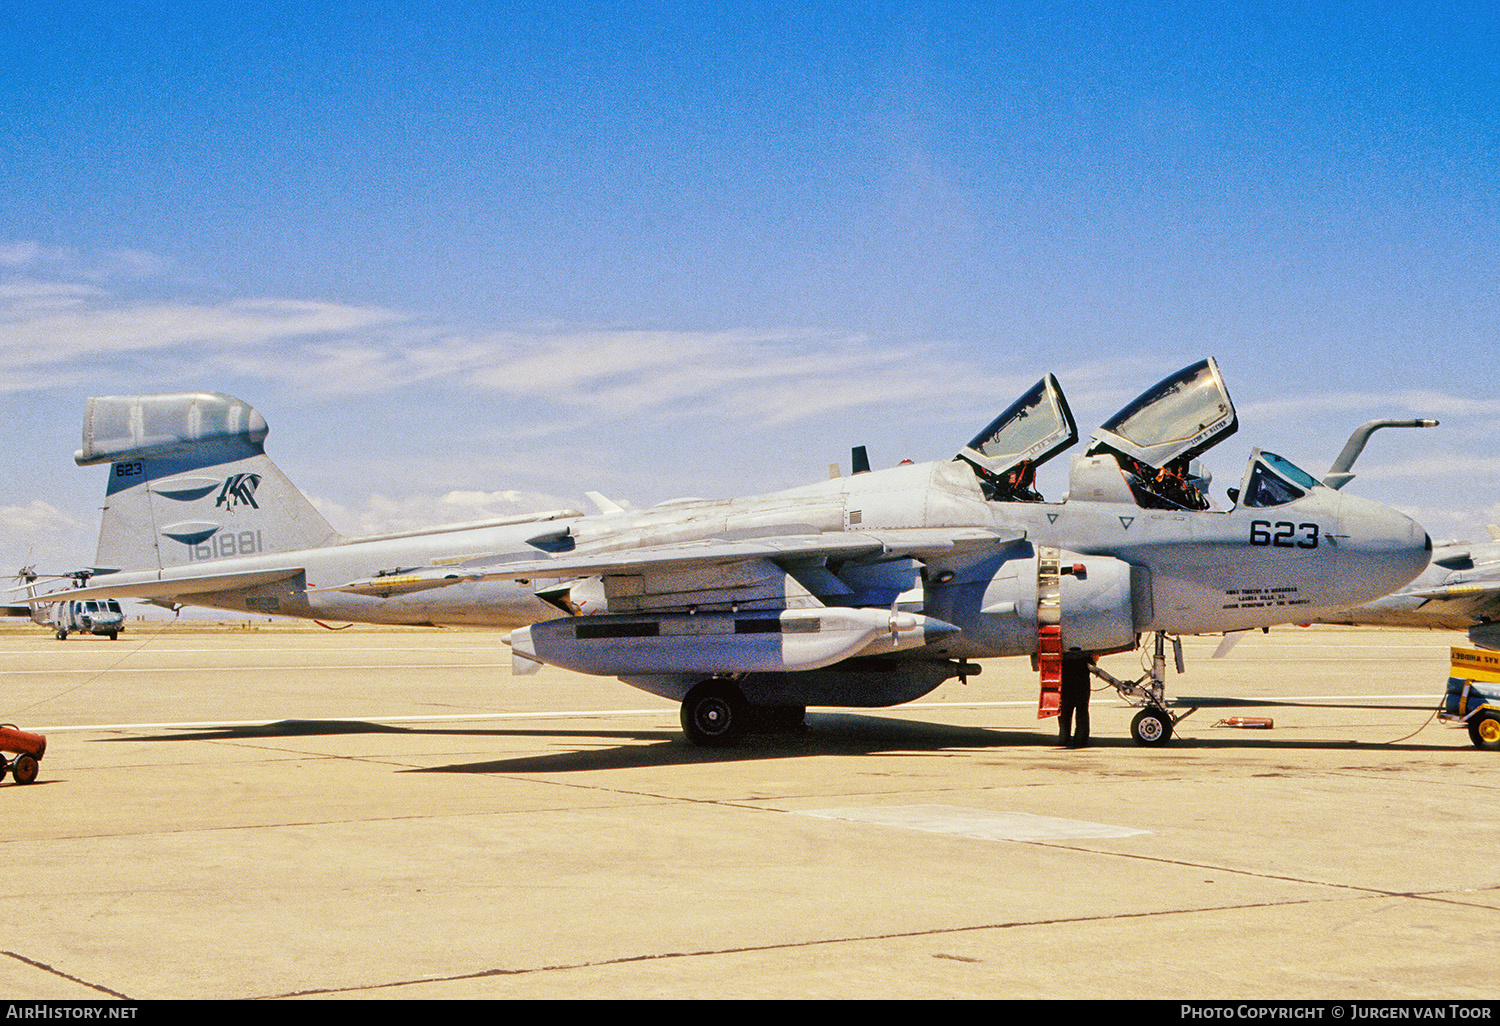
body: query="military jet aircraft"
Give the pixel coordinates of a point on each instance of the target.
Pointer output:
(1459, 591)
(860, 591)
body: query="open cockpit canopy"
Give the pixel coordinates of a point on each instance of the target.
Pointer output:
(1035, 428)
(1156, 437)
(1181, 416)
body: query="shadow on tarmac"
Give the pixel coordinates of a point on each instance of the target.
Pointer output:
(1185, 701)
(829, 733)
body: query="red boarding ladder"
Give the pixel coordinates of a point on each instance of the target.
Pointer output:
(1049, 661)
(1048, 631)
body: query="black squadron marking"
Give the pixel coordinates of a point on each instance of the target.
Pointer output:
(239, 489)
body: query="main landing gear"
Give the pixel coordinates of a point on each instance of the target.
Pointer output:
(715, 714)
(1154, 724)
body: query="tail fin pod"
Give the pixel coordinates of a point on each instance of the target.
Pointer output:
(190, 482)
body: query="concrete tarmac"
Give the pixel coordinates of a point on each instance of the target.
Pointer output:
(288, 812)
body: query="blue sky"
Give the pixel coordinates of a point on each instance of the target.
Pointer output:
(468, 259)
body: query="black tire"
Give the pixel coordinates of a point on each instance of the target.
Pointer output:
(1151, 727)
(4, 765)
(714, 714)
(24, 769)
(1484, 731)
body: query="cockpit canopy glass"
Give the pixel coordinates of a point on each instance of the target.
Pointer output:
(1179, 417)
(1035, 428)
(1275, 481)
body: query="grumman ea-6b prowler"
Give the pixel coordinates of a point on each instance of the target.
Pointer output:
(861, 591)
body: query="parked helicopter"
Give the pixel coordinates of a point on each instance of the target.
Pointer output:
(65, 615)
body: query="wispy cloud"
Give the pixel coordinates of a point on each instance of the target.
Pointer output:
(1394, 403)
(64, 330)
(30, 256)
(44, 329)
(1456, 467)
(39, 530)
(383, 513)
(770, 376)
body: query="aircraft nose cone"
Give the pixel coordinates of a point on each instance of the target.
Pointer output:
(1385, 550)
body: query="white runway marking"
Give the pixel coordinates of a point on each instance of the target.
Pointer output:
(982, 824)
(446, 718)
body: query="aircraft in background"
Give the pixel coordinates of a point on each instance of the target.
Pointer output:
(1459, 591)
(861, 591)
(64, 615)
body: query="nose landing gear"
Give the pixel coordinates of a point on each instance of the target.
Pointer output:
(1154, 724)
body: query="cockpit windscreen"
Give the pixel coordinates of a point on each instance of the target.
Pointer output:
(1005, 454)
(1275, 481)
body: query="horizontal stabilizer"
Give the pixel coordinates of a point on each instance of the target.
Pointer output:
(158, 584)
(605, 505)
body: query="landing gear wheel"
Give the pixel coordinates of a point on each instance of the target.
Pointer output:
(62, 634)
(714, 713)
(1151, 727)
(1484, 731)
(24, 769)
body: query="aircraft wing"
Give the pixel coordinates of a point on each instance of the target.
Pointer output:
(955, 545)
(171, 583)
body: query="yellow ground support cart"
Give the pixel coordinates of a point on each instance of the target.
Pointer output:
(1473, 696)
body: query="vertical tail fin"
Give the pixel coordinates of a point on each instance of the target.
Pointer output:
(34, 609)
(190, 481)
